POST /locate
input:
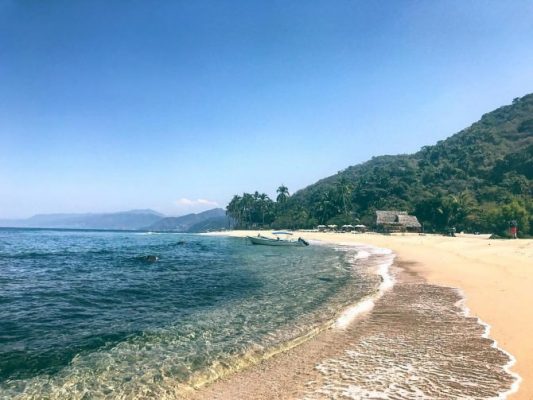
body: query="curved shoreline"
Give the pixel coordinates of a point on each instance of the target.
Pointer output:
(311, 371)
(347, 316)
(484, 271)
(515, 387)
(494, 276)
(340, 321)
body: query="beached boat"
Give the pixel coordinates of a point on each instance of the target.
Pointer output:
(277, 241)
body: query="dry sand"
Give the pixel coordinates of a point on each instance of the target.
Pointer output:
(496, 277)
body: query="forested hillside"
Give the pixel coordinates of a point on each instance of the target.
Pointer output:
(477, 180)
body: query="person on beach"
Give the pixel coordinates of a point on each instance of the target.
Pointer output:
(513, 229)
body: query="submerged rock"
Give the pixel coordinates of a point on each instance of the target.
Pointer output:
(150, 259)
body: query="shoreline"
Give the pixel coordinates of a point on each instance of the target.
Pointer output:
(491, 275)
(338, 324)
(289, 371)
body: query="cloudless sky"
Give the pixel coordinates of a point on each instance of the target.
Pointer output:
(178, 105)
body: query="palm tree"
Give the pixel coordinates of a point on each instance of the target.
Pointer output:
(459, 207)
(247, 204)
(326, 206)
(233, 209)
(263, 205)
(283, 194)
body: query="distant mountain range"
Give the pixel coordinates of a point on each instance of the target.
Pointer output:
(126, 220)
(201, 222)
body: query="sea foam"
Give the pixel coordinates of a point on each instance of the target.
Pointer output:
(486, 334)
(420, 342)
(385, 259)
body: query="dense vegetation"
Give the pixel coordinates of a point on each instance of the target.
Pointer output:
(479, 179)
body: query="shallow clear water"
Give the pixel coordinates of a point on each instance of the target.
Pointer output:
(86, 314)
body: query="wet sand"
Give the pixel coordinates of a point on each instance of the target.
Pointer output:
(440, 261)
(286, 375)
(496, 277)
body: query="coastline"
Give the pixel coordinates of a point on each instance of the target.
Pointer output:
(493, 277)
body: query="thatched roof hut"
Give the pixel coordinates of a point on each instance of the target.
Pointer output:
(409, 221)
(397, 221)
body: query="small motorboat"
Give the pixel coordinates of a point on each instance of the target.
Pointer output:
(277, 241)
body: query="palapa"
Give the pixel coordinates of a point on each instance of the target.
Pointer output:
(396, 221)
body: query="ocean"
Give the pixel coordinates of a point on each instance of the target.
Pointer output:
(87, 312)
(97, 315)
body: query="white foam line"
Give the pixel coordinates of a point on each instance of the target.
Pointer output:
(366, 305)
(160, 233)
(352, 312)
(362, 255)
(388, 282)
(486, 334)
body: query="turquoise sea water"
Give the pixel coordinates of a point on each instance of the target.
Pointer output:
(84, 313)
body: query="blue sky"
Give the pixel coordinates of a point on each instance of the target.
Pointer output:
(177, 105)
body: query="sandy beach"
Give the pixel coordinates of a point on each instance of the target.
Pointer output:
(495, 276)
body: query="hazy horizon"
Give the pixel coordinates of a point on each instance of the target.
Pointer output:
(147, 210)
(177, 106)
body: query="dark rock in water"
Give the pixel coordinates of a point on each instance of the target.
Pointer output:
(181, 242)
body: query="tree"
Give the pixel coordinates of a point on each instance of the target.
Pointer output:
(247, 204)
(234, 208)
(344, 190)
(283, 194)
(265, 206)
(327, 207)
(516, 209)
(457, 209)
(251, 209)
(462, 181)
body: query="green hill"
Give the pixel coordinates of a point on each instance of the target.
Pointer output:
(477, 180)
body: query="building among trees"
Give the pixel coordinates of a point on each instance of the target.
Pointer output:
(396, 221)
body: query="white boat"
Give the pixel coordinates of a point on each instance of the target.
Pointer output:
(277, 241)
